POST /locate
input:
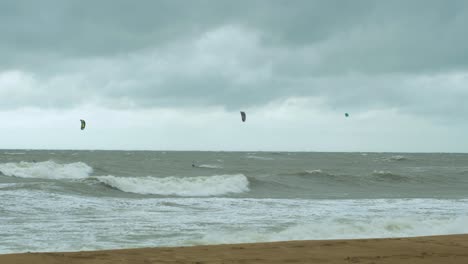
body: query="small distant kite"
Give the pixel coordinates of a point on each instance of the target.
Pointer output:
(346, 114)
(83, 124)
(243, 116)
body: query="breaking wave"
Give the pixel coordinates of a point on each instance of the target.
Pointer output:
(179, 186)
(210, 166)
(46, 170)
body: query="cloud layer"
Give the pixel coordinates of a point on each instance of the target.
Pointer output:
(360, 56)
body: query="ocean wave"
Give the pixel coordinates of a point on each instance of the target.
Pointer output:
(258, 157)
(210, 166)
(389, 176)
(14, 153)
(310, 172)
(46, 170)
(396, 158)
(375, 177)
(7, 185)
(179, 186)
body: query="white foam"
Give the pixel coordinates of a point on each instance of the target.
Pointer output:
(342, 228)
(180, 186)
(64, 222)
(259, 157)
(14, 153)
(316, 172)
(319, 171)
(382, 172)
(210, 166)
(398, 157)
(7, 185)
(46, 170)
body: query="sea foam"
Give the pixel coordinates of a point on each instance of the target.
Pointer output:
(341, 228)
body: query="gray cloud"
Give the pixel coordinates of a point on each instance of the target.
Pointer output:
(370, 29)
(120, 54)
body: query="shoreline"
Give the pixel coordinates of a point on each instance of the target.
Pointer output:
(429, 249)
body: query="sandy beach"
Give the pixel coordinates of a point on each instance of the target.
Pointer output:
(436, 249)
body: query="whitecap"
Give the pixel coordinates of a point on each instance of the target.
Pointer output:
(210, 166)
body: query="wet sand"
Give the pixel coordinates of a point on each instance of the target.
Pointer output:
(437, 249)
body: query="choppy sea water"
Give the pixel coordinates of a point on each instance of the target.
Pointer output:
(86, 200)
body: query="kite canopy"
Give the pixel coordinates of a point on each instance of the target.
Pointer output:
(243, 116)
(83, 124)
(346, 114)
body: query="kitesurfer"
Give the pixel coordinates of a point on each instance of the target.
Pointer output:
(83, 124)
(243, 116)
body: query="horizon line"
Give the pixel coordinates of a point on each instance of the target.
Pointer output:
(271, 151)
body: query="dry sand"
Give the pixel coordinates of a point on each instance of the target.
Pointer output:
(437, 249)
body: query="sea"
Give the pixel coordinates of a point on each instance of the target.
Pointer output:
(69, 200)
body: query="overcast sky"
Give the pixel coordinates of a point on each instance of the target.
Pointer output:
(173, 75)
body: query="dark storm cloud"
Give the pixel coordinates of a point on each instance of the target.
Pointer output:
(104, 28)
(355, 54)
(383, 33)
